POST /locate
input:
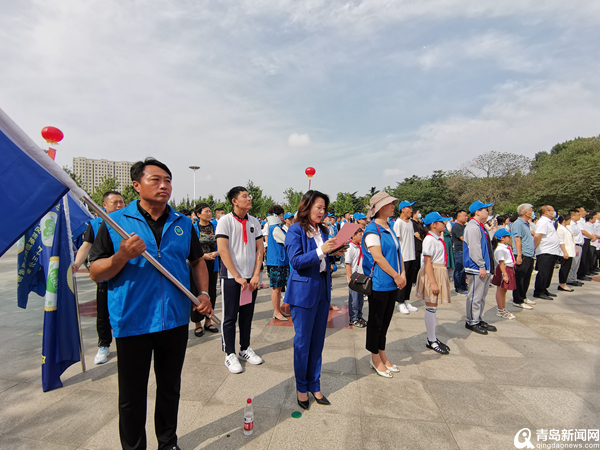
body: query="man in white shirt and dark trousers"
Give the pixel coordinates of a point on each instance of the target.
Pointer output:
(547, 249)
(240, 244)
(404, 230)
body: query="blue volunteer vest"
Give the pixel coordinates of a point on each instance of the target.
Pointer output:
(276, 254)
(140, 299)
(382, 282)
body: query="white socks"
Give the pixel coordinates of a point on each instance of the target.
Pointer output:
(430, 322)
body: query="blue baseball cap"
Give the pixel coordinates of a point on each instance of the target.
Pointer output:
(330, 215)
(288, 215)
(404, 204)
(476, 206)
(359, 216)
(433, 217)
(503, 232)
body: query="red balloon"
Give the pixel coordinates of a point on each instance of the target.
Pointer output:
(52, 135)
(310, 171)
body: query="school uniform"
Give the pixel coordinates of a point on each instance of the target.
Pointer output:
(405, 233)
(354, 257)
(504, 253)
(309, 296)
(434, 246)
(242, 234)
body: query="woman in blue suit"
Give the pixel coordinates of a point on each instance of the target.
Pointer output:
(309, 292)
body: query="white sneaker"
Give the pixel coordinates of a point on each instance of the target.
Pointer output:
(530, 302)
(522, 305)
(102, 355)
(410, 307)
(233, 364)
(402, 308)
(251, 357)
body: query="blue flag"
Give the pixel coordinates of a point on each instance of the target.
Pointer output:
(60, 347)
(32, 193)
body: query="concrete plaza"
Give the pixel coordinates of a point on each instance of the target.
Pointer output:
(540, 371)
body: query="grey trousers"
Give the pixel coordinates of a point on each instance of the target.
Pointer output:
(572, 278)
(478, 288)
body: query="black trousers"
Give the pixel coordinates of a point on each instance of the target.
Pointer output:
(523, 278)
(133, 363)
(102, 320)
(381, 310)
(411, 268)
(213, 277)
(584, 261)
(545, 268)
(565, 268)
(232, 312)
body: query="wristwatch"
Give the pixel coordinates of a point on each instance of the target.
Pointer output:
(205, 293)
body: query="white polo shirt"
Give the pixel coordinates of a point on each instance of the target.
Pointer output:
(550, 243)
(243, 255)
(433, 246)
(352, 257)
(405, 232)
(576, 233)
(504, 253)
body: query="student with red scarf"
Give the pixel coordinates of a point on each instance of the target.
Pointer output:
(354, 262)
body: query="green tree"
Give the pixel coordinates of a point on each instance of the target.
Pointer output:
(75, 178)
(106, 184)
(258, 203)
(345, 202)
(129, 194)
(292, 200)
(569, 176)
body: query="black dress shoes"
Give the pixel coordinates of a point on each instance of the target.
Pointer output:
(543, 297)
(322, 401)
(476, 328)
(566, 290)
(584, 278)
(550, 294)
(576, 284)
(487, 326)
(303, 404)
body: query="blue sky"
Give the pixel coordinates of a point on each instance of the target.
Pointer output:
(367, 92)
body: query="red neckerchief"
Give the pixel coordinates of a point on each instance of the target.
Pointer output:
(439, 238)
(511, 255)
(360, 255)
(243, 222)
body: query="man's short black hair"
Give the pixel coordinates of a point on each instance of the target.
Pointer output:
(234, 192)
(200, 206)
(107, 194)
(185, 212)
(137, 170)
(275, 210)
(460, 211)
(219, 209)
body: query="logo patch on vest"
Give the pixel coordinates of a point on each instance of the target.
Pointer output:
(178, 231)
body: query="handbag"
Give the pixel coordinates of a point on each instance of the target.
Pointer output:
(361, 283)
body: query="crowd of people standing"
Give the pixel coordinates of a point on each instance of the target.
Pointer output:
(150, 317)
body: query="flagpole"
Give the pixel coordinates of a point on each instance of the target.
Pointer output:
(74, 278)
(146, 255)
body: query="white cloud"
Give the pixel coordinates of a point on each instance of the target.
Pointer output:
(298, 140)
(393, 173)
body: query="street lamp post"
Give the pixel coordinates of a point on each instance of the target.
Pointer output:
(194, 168)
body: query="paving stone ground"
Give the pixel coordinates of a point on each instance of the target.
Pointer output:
(540, 371)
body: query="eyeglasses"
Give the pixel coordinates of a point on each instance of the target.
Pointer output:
(246, 196)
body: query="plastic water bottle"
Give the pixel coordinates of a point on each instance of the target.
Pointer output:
(248, 418)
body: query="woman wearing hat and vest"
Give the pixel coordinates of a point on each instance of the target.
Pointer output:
(382, 261)
(309, 292)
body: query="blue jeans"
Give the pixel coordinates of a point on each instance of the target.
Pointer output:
(460, 278)
(355, 305)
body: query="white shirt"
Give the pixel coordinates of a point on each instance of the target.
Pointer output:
(352, 256)
(576, 232)
(265, 233)
(586, 226)
(567, 239)
(406, 236)
(433, 246)
(316, 235)
(504, 253)
(596, 231)
(243, 255)
(550, 243)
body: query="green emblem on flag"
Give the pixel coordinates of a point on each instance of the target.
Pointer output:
(48, 224)
(52, 285)
(178, 231)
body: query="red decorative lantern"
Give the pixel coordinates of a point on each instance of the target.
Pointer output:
(52, 135)
(310, 171)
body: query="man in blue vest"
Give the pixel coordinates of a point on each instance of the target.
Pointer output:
(478, 259)
(149, 315)
(111, 201)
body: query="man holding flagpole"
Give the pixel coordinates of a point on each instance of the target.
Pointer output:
(148, 314)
